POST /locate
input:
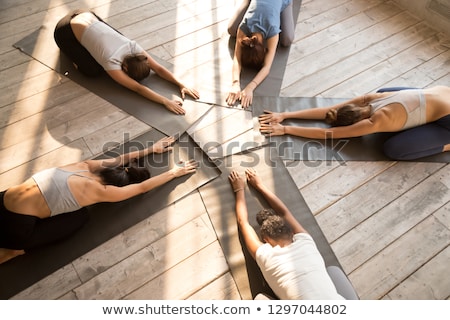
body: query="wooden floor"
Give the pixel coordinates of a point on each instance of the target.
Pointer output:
(388, 222)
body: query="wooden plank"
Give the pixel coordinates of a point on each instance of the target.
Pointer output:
(41, 101)
(139, 236)
(360, 204)
(425, 74)
(391, 68)
(427, 283)
(342, 40)
(178, 21)
(223, 288)
(110, 136)
(368, 238)
(319, 15)
(51, 287)
(29, 87)
(11, 58)
(306, 172)
(60, 115)
(185, 278)
(48, 140)
(399, 260)
(361, 62)
(25, 168)
(148, 263)
(321, 193)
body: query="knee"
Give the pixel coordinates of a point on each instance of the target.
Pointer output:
(286, 41)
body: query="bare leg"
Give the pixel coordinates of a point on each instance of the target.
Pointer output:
(8, 254)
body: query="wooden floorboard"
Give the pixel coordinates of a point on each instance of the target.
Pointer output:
(388, 222)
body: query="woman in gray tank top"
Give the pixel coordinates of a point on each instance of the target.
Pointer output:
(48, 206)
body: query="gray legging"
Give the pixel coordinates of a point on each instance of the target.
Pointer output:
(422, 141)
(287, 22)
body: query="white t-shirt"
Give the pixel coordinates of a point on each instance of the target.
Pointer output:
(107, 46)
(296, 271)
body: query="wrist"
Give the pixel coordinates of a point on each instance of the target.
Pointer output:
(238, 189)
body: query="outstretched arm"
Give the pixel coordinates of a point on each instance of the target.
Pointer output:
(169, 76)
(311, 113)
(247, 93)
(123, 79)
(109, 193)
(275, 203)
(251, 238)
(358, 129)
(160, 146)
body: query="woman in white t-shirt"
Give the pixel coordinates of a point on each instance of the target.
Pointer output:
(288, 258)
(94, 46)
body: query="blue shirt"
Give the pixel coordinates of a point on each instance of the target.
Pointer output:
(263, 16)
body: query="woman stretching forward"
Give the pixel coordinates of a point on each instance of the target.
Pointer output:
(421, 116)
(94, 46)
(258, 26)
(50, 205)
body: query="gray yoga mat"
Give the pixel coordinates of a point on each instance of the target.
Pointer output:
(213, 78)
(366, 148)
(47, 52)
(106, 220)
(219, 200)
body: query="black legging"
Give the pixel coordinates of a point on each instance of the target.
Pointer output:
(70, 46)
(422, 141)
(20, 231)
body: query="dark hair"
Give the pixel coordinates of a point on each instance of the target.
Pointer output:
(252, 52)
(124, 175)
(273, 226)
(136, 66)
(344, 116)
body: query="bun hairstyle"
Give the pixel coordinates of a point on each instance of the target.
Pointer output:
(272, 225)
(136, 66)
(344, 116)
(252, 52)
(125, 175)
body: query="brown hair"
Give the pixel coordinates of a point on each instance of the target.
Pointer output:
(121, 176)
(136, 66)
(344, 116)
(252, 52)
(273, 226)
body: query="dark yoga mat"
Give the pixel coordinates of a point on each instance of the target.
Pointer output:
(213, 78)
(366, 148)
(219, 200)
(47, 52)
(106, 220)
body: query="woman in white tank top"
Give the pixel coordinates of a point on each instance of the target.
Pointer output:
(421, 116)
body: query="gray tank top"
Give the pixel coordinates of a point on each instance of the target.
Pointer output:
(55, 189)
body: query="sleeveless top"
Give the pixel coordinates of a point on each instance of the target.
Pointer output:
(263, 16)
(107, 46)
(55, 189)
(412, 100)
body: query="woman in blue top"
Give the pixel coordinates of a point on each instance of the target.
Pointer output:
(50, 205)
(94, 46)
(258, 25)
